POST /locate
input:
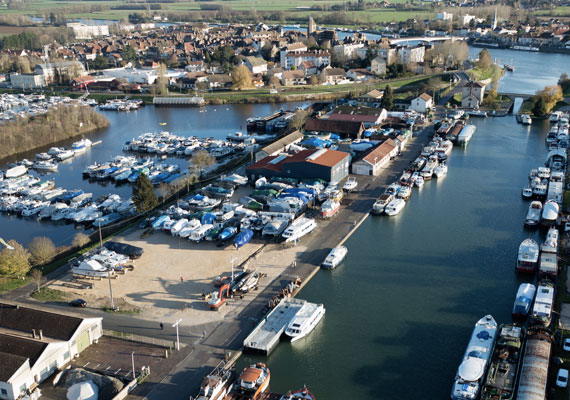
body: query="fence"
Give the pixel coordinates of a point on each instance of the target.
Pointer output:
(141, 339)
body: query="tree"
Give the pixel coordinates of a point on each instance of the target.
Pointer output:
(539, 108)
(490, 98)
(551, 95)
(313, 80)
(564, 82)
(42, 250)
(100, 62)
(16, 262)
(241, 78)
(388, 98)
(485, 61)
(80, 239)
(299, 119)
(162, 81)
(144, 196)
(37, 276)
(201, 160)
(129, 54)
(22, 65)
(274, 82)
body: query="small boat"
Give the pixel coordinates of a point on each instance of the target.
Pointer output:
(253, 381)
(306, 319)
(541, 313)
(275, 227)
(249, 282)
(526, 119)
(191, 226)
(64, 155)
(523, 300)
(550, 245)
(395, 206)
(550, 213)
(527, 192)
(178, 226)
(527, 260)
(404, 193)
(505, 364)
(329, 208)
(81, 145)
(472, 369)
(381, 203)
(227, 233)
(419, 181)
(41, 165)
(299, 228)
(440, 171)
(108, 219)
(301, 394)
(533, 215)
(243, 238)
(335, 257)
(350, 185)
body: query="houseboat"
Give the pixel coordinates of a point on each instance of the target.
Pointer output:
(465, 135)
(527, 259)
(550, 245)
(548, 266)
(550, 214)
(541, 313)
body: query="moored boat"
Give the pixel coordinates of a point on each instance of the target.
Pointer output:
(381, 203)
(335, 257)
(527, 259)
(306, 319)
(505, 363)
(533, 214)
(550, 213)
(541, 313)
(301, 394)
(523, 301)
(472, 369)
(395, 207)
(253, 381)
(216, 384)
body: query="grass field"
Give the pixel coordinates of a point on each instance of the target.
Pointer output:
(560, 11)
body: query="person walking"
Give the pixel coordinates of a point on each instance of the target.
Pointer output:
(181, 279)
(161, 326)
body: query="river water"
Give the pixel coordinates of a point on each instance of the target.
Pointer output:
(401, 308)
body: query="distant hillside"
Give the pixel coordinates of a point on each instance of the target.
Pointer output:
(60, 123)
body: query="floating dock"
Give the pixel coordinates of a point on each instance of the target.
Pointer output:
(178, 101)
(265, 337)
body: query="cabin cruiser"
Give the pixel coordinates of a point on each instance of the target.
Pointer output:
(306, 319)
(215, 386)
(526, 119)
(419, 181)
(527, 192)
(381, 203)
(539, 188)
(350, 185)
(527, 260)
(523, 300)
(43, 157)
(471, 371)
(505, 363)
(178, 226)
(299, 228)
(543, 173)
(335, 257)
(550, 212)
(541, 313)
(555, 116)
(34, 208)
(405, 193)
(550, 245)
(49, 166)
(440, 171)
(65, 154)
(253, 381)
(329, 208)
(275, 227)
(427, 172)
(533, 215)
(395, 206)
(190, 227)
(81, 145)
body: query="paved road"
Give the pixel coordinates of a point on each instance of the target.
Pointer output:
(210, 342)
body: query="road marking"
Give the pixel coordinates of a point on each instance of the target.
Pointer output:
(97, 366)
(117, 371)
(106, 369)
(86, 364)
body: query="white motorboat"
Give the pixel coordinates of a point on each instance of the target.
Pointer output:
(65, 154)
(305, 321)
(275, 227)
(550, 213)
(405, 193)
(472, 369)
(527, 260)
(527, 192)
(178, 226)
(543, 173)
(542, 309)
(526, 119)
(329, 208)
(540, 189)
(550, 245)
(381, 203)
(299, 228)
(555, 116)
(81, 145)
(419, 181)
(395, 206)
(440, 171)
(45, 166)
(215, 386)
(533, 215)
(350, 185)
(335, 257)
(191, 226)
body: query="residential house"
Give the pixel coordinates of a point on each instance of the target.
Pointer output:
(360, 75)
(34, 344)
(333, 76)
(63, 68)
(368, 116)
(412, 54)
(296, 77)
(220, 81)
(443, 16)
(422, 104)
(256, 65)
(347, 51)
(195, 66)
(371, 162)
(82, 31)
(308, 67)
(319, 57)
(345, 129)
(472, 94)
(389, 55)
(326, 164)
(378, 66)
(372, 99)
(298, 46)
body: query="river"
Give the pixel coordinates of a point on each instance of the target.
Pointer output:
(401, 308)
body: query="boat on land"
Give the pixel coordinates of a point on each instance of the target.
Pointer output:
(505, 364)
(471, 371)
(350, 185)
(306, 319)
(523, 301)
(252, 382)
(335, 257)
(527, 259)
(533, 214)
(299, 228)
(395, 207)
(381, 203)
(329, 208)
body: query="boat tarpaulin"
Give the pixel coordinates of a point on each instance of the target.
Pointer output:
(126, 249)
(242, 238)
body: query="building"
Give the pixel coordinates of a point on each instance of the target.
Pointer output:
(326, 164)
(289, 78)
(443, 16)
(388, 54)
(308, 67)
(63, 68)
(373, 161)
(347, 51)
(256, 65)
(194, 66)
(27, 81)
(368, 116)
(360, 74)
(297, 46)
(372, 99)
(345, 129)
(312, 28)
(281, 145)
(412, 54)
(35, 343)
(333, 76)
(378, 66)
(472, 94)
(295, 58)
(82, 31)
(422, 104)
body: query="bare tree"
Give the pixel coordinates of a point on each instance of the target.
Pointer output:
(299, 119)
(37, 276)
(42, 250)
(80, 240)
(241, 78)
(201, 160)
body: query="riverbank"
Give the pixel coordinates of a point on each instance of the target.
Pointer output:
(64, 122)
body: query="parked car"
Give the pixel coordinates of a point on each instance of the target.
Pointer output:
(78, 303)
(562, 378)
(566, 345)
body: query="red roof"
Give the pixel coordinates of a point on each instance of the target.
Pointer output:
(380, 152)
(328, 158)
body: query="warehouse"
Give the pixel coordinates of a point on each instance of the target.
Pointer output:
(372, 162)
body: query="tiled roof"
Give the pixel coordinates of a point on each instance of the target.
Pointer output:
(380, 152)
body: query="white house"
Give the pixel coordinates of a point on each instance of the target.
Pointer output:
(412, 54)
(472, 94)
(443, 16)
(35, 343)
(422, 104)
(82, 31)
(296, 58)
(372, 163)
(378, 66)
(27, 81)
(348, 51)
(256, 65)
(297, 46)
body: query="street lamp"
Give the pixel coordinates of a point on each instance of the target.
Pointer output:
(175, 325)
(234, 259)
(133, 360)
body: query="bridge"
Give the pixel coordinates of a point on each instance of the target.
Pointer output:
(428, 39)
(515, 95)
